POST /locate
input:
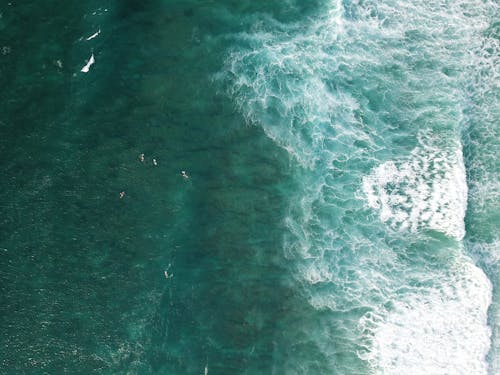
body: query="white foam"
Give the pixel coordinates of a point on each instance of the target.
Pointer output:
(440, 330)
(318, 90)
(87, 66)
(317, 273)
(286, 92)
(427, 190)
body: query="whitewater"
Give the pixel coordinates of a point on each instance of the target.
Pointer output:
(383, 108)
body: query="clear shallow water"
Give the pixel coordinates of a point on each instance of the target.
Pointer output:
(342, 203)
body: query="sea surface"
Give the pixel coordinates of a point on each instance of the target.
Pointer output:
(250, 187)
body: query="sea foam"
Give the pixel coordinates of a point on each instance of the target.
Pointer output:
(367, 99)
(435, 330)
(427, 190)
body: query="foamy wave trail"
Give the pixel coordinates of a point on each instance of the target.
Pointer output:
(371, 100)
(426, 190)
(481, 137)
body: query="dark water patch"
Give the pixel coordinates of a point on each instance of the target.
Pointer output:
(83, 285)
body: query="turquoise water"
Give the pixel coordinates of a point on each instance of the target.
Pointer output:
(340, 210)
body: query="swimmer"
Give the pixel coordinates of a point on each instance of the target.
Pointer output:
(122, 194)
(154, 162)
(184, 174)
(167, 276)
(141, 158)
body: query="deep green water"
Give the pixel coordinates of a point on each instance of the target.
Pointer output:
(341, 210)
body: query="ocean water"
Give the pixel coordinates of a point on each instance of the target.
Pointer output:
(339, 208)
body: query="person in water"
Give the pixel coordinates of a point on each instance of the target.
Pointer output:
(122, 194)
(184, 174)
(141, 158)
(154, 162)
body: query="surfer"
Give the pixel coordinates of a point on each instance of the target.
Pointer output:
(122, 195)
(184, 174)
(167, 276)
